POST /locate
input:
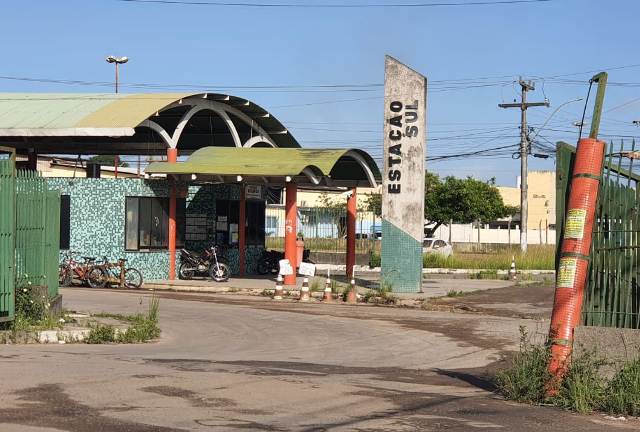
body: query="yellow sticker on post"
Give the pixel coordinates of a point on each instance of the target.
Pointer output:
(574, 226)
(567, 272)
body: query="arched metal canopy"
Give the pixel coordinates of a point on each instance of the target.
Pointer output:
(318, 168)
(98, 123)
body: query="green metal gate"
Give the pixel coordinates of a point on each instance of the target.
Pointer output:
(7, 237)
(612, 297)
(29, 234)
(37, 232)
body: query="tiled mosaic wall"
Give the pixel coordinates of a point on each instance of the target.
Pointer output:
(97, 219)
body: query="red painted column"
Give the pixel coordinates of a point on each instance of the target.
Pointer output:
(290, 230)
(172, 157)
(242, 226)
(351, 232)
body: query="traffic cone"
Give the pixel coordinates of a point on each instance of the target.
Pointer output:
(277, 295)
(352, 295)
(328, 294)
(304, 291)
(512, 272)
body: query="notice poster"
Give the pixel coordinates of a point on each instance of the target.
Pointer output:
(567, 272)
(574, 226)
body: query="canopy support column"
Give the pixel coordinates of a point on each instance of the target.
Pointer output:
(32, 159)
(290, 231)
(172, 157)
(242, 224)
(351, 232)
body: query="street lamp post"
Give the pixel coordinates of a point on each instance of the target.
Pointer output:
(118, 61)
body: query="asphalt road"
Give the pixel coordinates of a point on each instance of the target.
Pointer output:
(229, 363)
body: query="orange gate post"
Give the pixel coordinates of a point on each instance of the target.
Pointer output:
(575, 247)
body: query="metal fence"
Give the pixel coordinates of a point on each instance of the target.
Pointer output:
(29, 234)
(612, 297)
(324, 229)
(37, 232)
(7, 238)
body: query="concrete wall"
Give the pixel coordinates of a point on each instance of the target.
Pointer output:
(468, 233)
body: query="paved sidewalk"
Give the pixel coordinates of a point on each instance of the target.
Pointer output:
(257, 284)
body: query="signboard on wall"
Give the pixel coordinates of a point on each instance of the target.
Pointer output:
(253, 191)
(403, 176)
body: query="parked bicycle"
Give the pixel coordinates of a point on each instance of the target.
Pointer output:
(117, 273)
(73, 272)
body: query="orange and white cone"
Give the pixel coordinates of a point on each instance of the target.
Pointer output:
(304, 291)
(328, 294)
(352, 295)
(512, 271)
(277, 295)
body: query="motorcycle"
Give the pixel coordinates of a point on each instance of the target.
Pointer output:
(270, 261)
(208, 263)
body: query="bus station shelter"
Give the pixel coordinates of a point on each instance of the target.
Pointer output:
(206, 139)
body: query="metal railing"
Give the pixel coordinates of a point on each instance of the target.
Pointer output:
(324, 229)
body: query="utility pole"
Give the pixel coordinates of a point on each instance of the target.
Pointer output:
(524, 154)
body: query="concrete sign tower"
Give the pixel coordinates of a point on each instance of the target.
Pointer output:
(403, 176)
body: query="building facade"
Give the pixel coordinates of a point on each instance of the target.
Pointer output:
(128, 218)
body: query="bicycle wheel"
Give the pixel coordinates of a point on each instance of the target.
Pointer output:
(96, 278)
(132, 278)
(65, 276)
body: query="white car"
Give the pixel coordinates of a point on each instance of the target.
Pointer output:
(432, 245)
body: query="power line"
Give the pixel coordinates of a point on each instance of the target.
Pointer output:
(334, 5)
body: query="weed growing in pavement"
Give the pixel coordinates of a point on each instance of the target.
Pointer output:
(335, 287)
(32, 312)
(454, 293)
(101, 334)
(315, 285)
(142, 328)
(383, 295)
(526, 378)
(623, 391)
(583, 388)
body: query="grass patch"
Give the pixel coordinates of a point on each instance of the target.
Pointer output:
(623, 391)
(454, 293)
(583, 388)
(525, 379)
(315, 285)
(142, 328)
(538, 257)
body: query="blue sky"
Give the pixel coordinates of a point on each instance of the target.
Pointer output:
(239, 46)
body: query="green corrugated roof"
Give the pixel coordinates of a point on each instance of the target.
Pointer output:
(344, 164)
(92, 114)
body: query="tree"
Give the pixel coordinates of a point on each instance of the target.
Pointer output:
(462, 200)
(108, 160)
(373, 203)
